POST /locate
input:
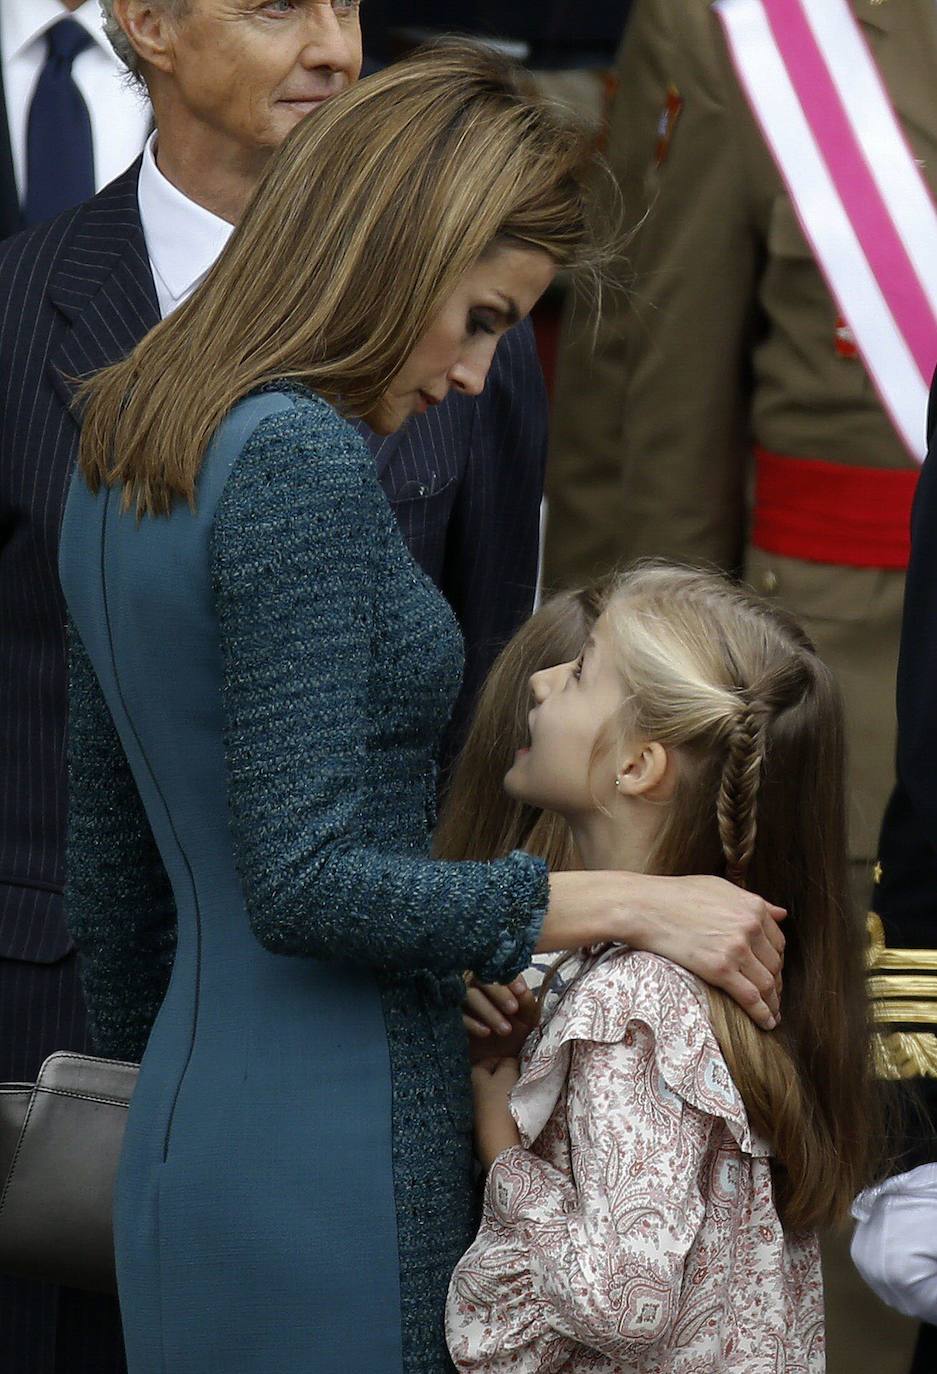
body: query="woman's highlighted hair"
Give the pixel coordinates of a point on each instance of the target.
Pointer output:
(362, 226)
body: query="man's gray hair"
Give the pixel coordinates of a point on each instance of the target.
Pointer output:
(122, 44)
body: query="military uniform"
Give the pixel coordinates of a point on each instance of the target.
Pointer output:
(726, 337)
(904, 927)
(725, 340)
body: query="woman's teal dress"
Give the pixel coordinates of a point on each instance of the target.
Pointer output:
(295, 1184)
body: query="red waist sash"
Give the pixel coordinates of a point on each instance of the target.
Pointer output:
(830, 513)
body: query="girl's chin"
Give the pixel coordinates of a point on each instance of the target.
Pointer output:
(515, 785)
(512, 783)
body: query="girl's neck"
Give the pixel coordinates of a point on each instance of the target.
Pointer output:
(607, 842)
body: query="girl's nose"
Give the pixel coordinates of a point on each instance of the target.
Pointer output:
(548, 680)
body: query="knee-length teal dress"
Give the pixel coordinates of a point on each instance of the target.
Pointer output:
(257, 690)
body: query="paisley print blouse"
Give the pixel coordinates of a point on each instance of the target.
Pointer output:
(634, 1230)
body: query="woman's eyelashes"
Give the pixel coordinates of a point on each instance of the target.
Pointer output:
(577, 666)
(482, 322)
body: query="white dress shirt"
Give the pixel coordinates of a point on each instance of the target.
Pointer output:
(120, 114)
(182, 239)
(894, 1245)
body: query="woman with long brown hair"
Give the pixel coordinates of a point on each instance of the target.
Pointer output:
(655, 1182)
(295, 1182)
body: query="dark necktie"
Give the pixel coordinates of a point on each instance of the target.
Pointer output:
(59, 151)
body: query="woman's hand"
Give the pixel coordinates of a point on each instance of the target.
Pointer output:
(498, 1019)
(727, 936)
(495, 1131)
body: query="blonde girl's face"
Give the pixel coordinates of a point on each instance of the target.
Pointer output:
(560, 769)
(458, 348)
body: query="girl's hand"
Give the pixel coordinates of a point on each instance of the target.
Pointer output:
(498, 1019)
(495, 1131)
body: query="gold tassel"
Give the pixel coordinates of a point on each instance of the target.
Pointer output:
(903, 988)
(906, 1054)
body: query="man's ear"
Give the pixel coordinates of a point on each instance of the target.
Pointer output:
(149, 29)
(648, 772)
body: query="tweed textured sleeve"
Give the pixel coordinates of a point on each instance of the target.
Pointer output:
(118, 901)
(314, 594)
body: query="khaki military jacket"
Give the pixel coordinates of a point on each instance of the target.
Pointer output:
(726, 336)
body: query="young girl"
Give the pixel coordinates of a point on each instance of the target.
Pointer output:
(657, 1169)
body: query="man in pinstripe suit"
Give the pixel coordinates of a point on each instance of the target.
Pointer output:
(228, 79)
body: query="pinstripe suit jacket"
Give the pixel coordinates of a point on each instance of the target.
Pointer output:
(464, 481)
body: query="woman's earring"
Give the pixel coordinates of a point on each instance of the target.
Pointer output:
(618, 782)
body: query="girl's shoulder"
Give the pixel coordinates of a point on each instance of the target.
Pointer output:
(611, 990)
(659, 1012)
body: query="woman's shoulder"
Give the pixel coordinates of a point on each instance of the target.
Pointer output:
(289, 487)
(659, 1012)
(283, 453)
(283, 415)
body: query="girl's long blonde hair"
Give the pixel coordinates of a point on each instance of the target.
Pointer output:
(734, 688)
(362, 226)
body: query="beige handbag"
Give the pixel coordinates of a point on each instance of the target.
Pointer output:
(60, 1143)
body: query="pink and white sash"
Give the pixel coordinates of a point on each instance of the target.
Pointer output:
(863, 205)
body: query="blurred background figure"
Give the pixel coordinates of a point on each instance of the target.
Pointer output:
(553, 33)
(727, 414)
(70, 122)
(904, 933)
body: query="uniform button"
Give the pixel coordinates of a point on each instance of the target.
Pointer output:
(769, 582)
